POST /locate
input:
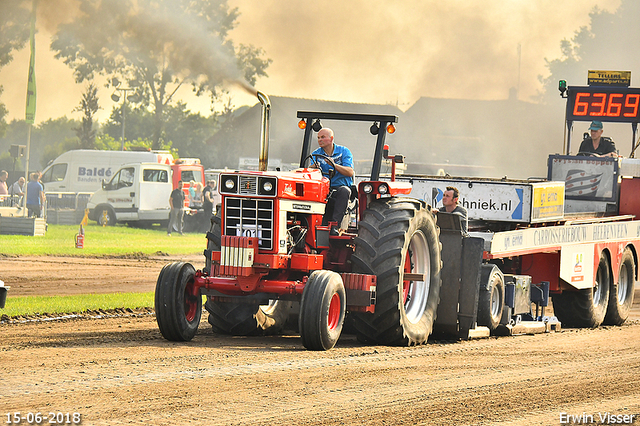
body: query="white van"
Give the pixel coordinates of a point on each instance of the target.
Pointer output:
(136, 192)
(139, 192)
(82, 170)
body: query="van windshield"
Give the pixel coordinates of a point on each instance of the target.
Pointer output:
(56, 173)
(191, 175)
(155, 175)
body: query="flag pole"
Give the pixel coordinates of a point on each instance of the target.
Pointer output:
(30, 113)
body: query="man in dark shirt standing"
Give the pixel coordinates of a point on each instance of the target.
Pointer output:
(597, 145)
(176, 202)
(450, 205)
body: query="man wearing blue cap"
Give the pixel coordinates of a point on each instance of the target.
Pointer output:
(596, 145)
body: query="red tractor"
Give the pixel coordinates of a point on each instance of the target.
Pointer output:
(269, 249)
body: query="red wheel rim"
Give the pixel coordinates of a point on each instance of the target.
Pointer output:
(190, 305)
(334, 312)
(406, 284)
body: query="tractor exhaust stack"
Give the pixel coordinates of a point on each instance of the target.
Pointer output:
(264, 131)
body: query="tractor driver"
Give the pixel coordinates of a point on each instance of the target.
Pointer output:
(342, 180)
(597, 145)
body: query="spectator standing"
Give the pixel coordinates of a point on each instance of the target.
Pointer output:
(35, 195)
(176, 202)
(207, 199)
(197, 199)
(192, 193)
(17, 191)
(3, 182)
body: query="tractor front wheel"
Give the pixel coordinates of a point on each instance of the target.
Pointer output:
(177, 302)
(322, 310)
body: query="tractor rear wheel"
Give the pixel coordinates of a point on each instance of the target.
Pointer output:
(322, 310)
(178, 305)
(621, 293)
(398, 236)
(585, 308)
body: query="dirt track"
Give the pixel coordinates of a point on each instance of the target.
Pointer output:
(121, 371)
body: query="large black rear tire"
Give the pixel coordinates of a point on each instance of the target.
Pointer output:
(178, 307)
(322, 310)
(585, 308)
(397, 236)
(621, 293)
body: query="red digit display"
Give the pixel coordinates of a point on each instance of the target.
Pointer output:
(618, 104)
(632, 102)
(614, 108)
(599, 104)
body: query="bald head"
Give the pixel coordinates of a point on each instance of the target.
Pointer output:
(325, 140)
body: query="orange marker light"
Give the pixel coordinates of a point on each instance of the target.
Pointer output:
(302, 124)
(391, 128)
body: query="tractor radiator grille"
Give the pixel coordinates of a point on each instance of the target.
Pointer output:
(248, 185)
(248, 217)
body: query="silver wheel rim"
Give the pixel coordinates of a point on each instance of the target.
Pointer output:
(495, 299)
(623, 284)
(597, 289)
(416, 302)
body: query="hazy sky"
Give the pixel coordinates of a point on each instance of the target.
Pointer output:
(366, 51)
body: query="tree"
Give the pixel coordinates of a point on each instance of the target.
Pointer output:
(88, 106)
(14, 34)
(3, 114)
(14, 28)
(605, 44)
(158, 46)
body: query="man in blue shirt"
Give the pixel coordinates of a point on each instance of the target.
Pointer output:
(342, 180)
(35, 196)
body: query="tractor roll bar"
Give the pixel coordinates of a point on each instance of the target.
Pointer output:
(384, 120)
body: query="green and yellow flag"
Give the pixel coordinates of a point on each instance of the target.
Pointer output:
(30, 115)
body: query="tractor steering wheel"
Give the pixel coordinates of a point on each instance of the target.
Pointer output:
(314, 159)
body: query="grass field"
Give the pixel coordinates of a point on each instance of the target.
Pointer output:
(98, 241)
(29, 305)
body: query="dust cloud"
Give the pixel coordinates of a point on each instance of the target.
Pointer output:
(369, 51)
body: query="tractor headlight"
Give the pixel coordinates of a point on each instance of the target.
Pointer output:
(229, 184)
(383, 189)
(267, 186)
(367, 188)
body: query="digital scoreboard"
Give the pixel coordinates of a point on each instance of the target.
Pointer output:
(614, 104)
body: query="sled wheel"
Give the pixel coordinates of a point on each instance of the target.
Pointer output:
(177, 303)
(621, 293)
(322, 310)
(585, 308)
(491, 297)
(397, 236)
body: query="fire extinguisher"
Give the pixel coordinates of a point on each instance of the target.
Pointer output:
(80, 238)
